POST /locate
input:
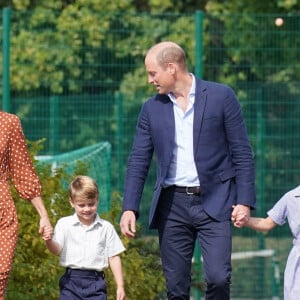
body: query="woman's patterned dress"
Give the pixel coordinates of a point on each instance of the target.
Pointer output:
(15, 166)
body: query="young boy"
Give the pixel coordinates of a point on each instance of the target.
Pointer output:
(288, 207)
(86, 245)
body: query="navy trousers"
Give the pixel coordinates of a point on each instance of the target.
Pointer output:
(82, 285)
(182, 222)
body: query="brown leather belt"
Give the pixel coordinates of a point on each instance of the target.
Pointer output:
(189, 190)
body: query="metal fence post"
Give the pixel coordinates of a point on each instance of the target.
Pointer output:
(6, 60)
(199, 44)
(54, 127)
(260, 165)
(120, 138)
(198, 73)
(276, 278)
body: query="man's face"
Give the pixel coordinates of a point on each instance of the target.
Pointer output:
(159, 76)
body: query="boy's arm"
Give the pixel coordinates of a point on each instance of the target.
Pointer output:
(261, 224)
(53, 246)
(116, 268)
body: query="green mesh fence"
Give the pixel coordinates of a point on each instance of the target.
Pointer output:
(97, 159)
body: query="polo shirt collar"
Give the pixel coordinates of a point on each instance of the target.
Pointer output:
(75, 220)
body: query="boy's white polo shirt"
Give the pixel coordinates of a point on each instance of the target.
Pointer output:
(87, 247)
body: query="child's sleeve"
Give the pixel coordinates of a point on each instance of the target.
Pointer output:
(114, 243)
(59, 233)
(279, 211)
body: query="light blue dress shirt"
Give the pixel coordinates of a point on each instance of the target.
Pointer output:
(182, 171)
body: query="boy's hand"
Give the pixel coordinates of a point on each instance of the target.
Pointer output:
(121, 293)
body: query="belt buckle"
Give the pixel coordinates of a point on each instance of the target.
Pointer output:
(187, 191)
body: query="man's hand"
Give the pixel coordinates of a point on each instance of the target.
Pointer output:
(240, 215)
(127, 223)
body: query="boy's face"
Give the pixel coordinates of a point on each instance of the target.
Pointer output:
(85, 209)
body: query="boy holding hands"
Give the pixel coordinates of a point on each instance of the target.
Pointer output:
(287, 208)
(86, 245)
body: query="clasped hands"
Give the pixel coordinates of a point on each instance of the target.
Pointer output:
(46, 229)
(240, 215)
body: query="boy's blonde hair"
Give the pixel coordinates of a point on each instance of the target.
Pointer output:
(83, 187)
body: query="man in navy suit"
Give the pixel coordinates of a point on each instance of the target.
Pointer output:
(205, 167)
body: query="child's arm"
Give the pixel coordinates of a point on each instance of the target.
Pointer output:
(53, 246)
(116, 268)
(261, 224)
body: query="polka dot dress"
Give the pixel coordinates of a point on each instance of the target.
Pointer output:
(15, 164)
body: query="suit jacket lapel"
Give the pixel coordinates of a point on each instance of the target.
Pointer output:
(199, 107)
(168, 121)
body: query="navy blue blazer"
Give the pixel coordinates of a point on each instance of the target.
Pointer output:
(222, 151)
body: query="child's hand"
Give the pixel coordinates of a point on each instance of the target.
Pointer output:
(121, 293)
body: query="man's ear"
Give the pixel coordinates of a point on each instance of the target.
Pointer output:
(171, 68)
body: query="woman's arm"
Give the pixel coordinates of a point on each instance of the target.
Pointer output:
(45, 229)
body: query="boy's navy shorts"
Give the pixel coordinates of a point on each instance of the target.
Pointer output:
(78, 284)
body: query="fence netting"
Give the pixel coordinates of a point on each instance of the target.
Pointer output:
(77, 81)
